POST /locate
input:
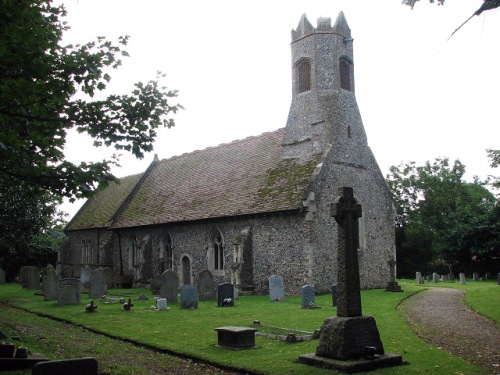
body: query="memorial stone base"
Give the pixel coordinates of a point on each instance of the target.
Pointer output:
(350, 344)
(392, 286)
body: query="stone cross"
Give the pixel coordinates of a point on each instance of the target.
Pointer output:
(392, 270)
(346, 212)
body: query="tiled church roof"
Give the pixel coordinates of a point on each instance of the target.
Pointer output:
(99, 209)
(243, 177)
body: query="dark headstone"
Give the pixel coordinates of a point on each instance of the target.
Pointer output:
(32, 278)
(225, 295)
(108, 274)
(334, 295)
(236, 337)
(308, 298)
(276, 288)
(50, 285)
(189, 297)
(475, 276)
(98, 284)
(2, 276)
(169, 285)
(207, 286)
(79, 366)
(154, 286)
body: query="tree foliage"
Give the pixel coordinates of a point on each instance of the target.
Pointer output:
(443, 221)
(47, 90)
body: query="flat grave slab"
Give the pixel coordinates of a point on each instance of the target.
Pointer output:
(236, 338)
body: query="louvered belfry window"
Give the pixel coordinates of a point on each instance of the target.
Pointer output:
(303, 71)
(345, 74)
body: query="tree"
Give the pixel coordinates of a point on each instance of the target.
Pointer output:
(494, 156)
(442, 220)
(47, 90)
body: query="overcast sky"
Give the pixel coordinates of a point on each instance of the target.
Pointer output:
(420, 96)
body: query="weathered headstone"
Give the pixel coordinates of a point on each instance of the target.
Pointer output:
(451, 276)
(207, 286)
(2, 276)
(462, 278)
(23, 276)
(98, 284)
(444, 278)
(85, 276)
(475, 276)
(349, 336)
(33, 278)
(108, 274)
(169, 285)
(50, 285)
(67, 272)
(69, 292)
(308, 299)
(189, 297)
(225, 295)
(154, 286)
(419, 278)
(276, 288)
(392, 285)
(45, 269)
(435, 277)
(334, 295)
(161, 304)
(142, 297)
(87, 366)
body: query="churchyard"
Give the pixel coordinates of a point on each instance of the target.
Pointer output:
(190, 332)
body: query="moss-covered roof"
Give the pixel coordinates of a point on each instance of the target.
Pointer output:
(98, 210)
(243, 177)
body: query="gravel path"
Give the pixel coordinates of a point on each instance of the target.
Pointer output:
(440, 317)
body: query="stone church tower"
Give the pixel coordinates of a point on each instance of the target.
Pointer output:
(323, 111)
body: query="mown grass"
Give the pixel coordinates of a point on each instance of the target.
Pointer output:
(191, 332)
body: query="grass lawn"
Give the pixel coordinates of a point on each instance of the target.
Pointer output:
(191, 332)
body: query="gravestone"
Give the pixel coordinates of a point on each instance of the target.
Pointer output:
(451, 276)
(142, 297)
(207, 286)
(435, 277)
(475, 276)
(23, 276)
(308, 299)
(498, 278)
(108, 274)
(161, 304)
(32, 278)
(225, 295)
(419, 278)
(169, 285)
(98, 284)
(85, 276)
(2, 276)
(334, 295)
(50, 285)
(348, 338)
(67, 272)
(77, 366)
(444, 278)
(45, 269)
(68, 292)
(189, 297)
(154, 286)
(276, 288)
(462, 278)
(392, 285)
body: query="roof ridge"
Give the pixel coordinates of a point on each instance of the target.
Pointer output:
(236, 141)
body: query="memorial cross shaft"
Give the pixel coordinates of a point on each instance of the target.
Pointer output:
(346, 212)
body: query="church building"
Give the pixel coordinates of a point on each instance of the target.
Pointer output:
(254, 207)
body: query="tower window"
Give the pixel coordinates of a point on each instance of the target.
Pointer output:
(346, 76)
(216, 253)
(303, 75)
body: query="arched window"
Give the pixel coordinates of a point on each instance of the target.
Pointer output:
(216, 253)
(346, 74)
(166, 253)
(84, 252)
(89, 252)
(134, 254)
(303, 76)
